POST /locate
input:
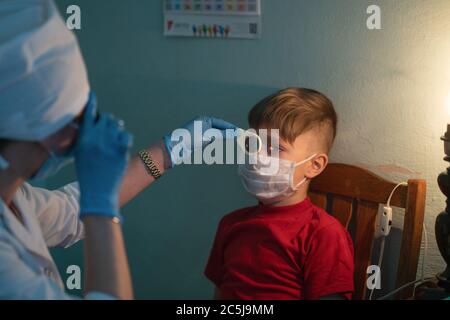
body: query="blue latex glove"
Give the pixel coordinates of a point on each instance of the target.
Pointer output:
(101, 157)
(198, 141)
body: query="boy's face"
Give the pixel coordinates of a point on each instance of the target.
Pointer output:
(304, 146)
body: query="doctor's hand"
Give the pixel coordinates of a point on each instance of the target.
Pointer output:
(180, 147)
(101, 157)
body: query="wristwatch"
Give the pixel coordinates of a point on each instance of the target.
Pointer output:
(150, 166)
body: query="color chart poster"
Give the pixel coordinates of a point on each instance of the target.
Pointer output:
(220, 19)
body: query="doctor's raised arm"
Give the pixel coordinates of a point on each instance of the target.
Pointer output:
(48, 118)
(151, 163)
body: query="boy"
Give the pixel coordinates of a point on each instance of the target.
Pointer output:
(285, 247)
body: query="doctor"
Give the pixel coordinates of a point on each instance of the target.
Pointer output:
(48, 118)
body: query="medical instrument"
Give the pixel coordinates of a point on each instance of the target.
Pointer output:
(249, 141)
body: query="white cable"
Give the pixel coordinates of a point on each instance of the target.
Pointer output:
(380, 261)
(425, 250)
(425, 254)
(420, 281)
(393, 190)
(383, 239)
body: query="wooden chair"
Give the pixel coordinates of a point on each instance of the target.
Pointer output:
(352, 195)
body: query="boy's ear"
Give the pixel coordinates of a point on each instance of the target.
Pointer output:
(319, 163)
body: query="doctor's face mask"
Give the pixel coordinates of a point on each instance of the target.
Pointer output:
(60, 147)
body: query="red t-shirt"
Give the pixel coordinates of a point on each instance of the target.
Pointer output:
(290, 252)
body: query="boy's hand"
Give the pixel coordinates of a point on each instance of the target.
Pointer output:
(196, 128)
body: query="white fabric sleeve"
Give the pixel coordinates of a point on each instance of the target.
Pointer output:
(58, 213)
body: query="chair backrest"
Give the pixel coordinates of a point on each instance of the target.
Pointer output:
(352, 195)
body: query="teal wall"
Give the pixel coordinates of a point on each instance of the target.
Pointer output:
(388, 87)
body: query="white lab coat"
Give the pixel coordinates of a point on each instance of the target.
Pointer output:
(27, 270)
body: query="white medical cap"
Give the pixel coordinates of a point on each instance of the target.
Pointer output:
(43, 79)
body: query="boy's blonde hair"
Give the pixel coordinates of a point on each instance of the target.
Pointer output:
(295, 111)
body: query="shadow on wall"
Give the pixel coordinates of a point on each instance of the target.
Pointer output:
(169, 228)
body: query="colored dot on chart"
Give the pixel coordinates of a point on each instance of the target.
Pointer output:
(252, 7)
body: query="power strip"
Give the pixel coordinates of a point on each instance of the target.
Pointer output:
(385, 221)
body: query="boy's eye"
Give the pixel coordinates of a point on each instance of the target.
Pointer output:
(277, 148)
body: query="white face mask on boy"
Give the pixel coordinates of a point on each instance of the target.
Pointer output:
(267, 186)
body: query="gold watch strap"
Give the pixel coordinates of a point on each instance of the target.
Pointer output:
(150, 166)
